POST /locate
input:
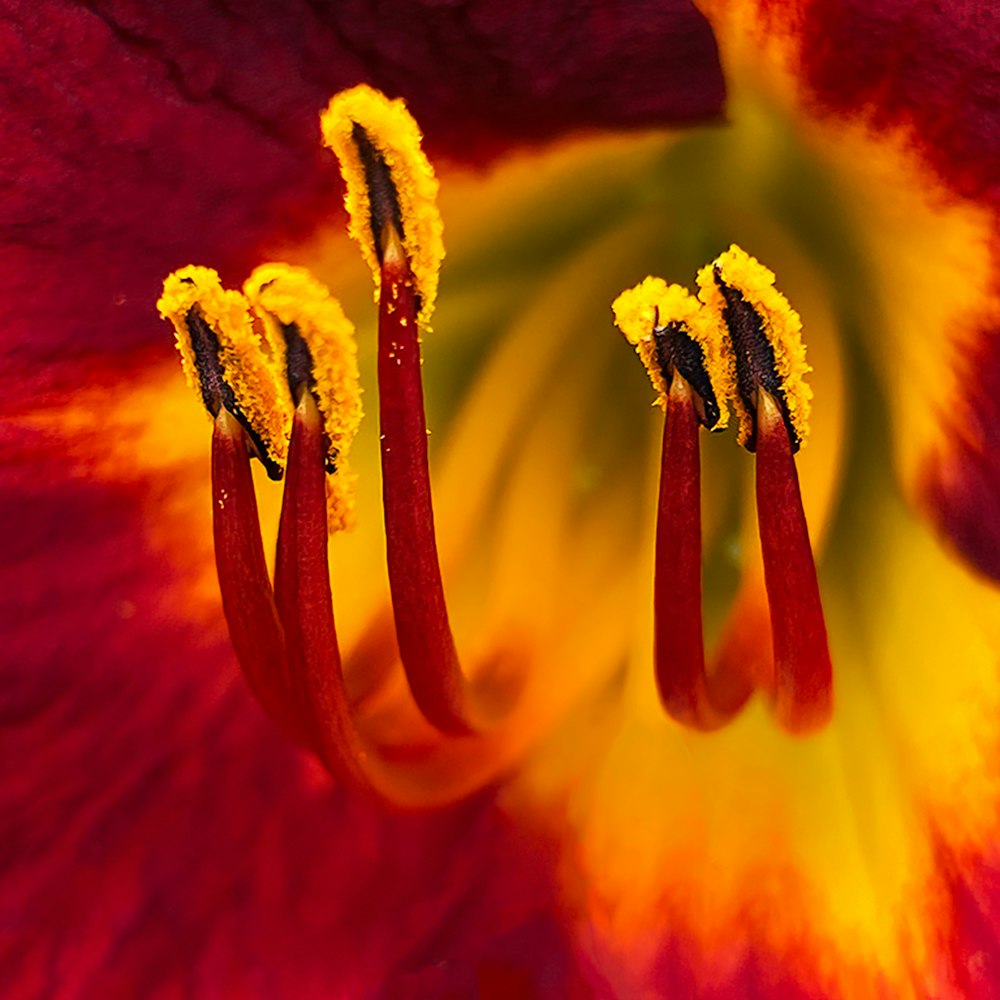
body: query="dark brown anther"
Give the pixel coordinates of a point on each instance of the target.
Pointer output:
(756, 366)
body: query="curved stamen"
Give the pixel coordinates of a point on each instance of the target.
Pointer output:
(690, 695)
(249, 355)
(773, 403)
(392, 203)
(803, 674)
(247, 600)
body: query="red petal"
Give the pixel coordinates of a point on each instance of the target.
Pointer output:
(974, 945)
(160, 838)
(140, 137)
(961, 481)
(928, 66)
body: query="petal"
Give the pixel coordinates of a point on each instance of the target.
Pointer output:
(159, 832)
(859, 862)
(905, 103)
(140, 139)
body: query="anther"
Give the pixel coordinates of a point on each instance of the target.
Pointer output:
(227, 362)
(682, 351)
(765, 340)
(317, 350)
(772, 401)
(389, 181)
(666, 326)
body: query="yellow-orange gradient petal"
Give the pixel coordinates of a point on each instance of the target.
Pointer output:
(904, 119)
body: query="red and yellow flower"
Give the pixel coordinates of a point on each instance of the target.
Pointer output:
(165, 838)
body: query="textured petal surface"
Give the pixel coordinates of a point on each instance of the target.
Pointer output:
(139, 138)
(161, 840)
(161, 832)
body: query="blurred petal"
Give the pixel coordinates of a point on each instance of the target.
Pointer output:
(905, 101)
(168, 833)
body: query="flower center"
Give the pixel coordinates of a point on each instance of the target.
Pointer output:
(276, 367)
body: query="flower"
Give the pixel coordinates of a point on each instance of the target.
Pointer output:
(163, 831)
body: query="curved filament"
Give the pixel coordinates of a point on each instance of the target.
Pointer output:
(435, 773)
(803, 674)
(689, 694)
(426, 646)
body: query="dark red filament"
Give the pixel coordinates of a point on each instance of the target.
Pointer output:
(423, 632)
(304, 602)
(688, 694)
(803, 674)
(247, 599)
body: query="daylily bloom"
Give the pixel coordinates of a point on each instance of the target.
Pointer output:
(164, 837)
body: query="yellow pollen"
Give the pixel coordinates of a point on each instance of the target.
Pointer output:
(250, 364)
(653, 303)
(283, 295)
(394, 134)
(781, 325)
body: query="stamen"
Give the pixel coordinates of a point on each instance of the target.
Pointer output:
(389, 182)
(285, 640)
(391, 198)
(319, 354)
(227, 362)
(247, 601)
(766, 335)
(681, 349)
(773, 403)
